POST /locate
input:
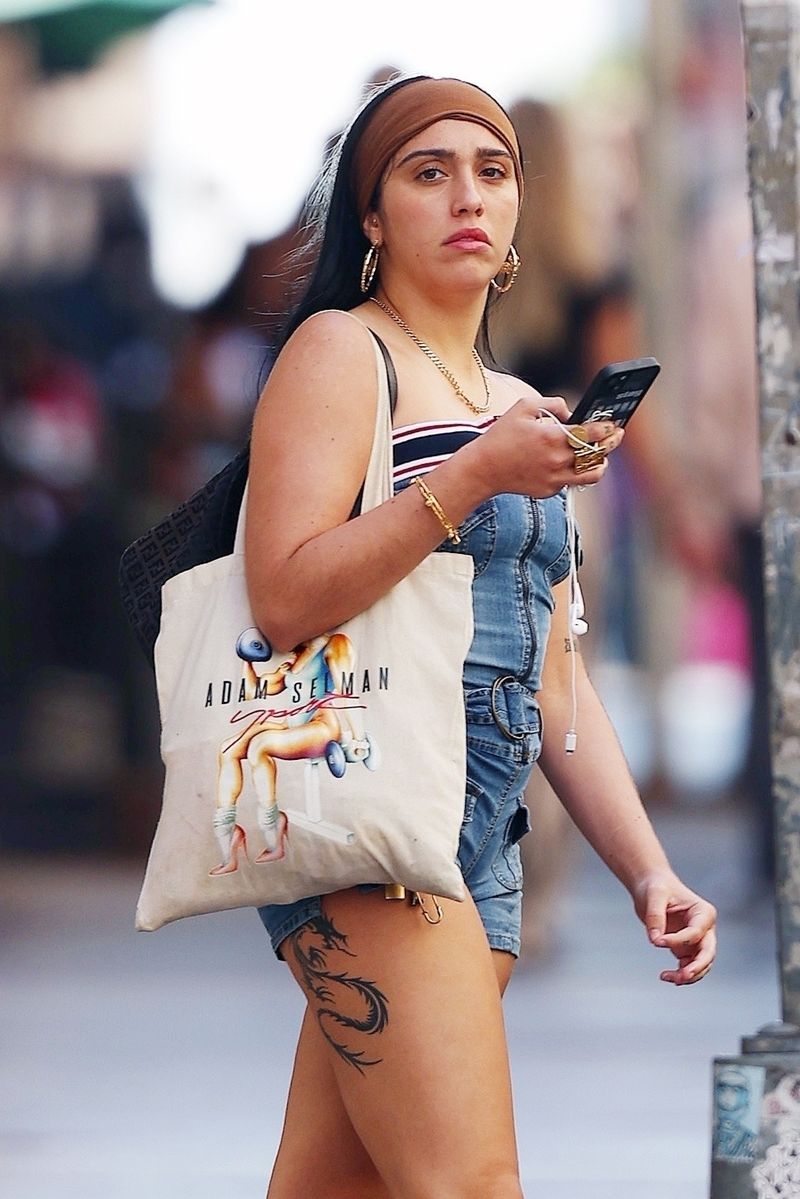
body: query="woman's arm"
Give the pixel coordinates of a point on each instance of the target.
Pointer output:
(596, 787)
(310, 568)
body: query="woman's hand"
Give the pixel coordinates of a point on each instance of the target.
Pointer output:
(679, 920)
(528, 453)
(555, 404)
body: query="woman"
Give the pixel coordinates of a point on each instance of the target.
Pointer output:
(401, 1082)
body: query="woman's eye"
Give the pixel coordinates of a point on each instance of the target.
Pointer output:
(429, 173)
(494, 172)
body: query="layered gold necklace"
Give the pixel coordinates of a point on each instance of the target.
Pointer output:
(441, 366)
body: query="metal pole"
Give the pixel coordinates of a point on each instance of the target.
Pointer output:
(774, 80)
(756, 1145)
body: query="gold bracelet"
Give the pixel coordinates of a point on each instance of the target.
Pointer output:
(436, 508)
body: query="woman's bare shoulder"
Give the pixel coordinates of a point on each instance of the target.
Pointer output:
(331, 334)
(328, 360)
(323, 381)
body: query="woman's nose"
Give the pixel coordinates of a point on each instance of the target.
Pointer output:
(467, 197)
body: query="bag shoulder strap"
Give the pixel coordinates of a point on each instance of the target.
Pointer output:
(391, 373)
(391, 380)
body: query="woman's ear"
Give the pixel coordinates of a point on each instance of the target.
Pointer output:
(372, 229)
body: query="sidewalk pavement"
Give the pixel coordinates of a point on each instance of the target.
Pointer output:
(156, 1064)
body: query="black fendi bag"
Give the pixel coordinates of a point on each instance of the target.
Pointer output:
(201, 529)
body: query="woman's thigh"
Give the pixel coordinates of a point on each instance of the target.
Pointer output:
(320, 1154)
(409, 1018)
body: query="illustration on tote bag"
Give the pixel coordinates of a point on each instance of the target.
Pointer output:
(313, 716)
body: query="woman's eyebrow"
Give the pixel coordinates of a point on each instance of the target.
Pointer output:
(440, 152)
(432, 153)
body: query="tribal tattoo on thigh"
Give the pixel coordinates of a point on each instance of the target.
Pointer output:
(336, 990)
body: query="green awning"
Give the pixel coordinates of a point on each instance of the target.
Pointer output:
(72, 33)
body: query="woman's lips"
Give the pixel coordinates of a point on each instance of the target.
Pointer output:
(468, 239)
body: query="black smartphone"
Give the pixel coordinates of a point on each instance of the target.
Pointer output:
(616, 391)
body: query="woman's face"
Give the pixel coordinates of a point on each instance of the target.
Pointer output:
(447, 209)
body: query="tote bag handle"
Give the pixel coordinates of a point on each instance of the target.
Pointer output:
(378, 485)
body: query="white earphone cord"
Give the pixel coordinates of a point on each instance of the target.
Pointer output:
(577, 625)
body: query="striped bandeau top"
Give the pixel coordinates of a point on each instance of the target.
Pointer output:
(418, 448)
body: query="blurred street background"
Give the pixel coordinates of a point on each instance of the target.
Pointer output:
(154, 161)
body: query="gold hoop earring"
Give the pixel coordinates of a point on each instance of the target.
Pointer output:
(370, 268)
(510, 269)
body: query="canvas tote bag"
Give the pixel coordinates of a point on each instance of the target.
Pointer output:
(358, 736)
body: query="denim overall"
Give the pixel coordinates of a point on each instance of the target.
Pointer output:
(519, 547)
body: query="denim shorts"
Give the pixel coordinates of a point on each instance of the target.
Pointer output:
(504, 737)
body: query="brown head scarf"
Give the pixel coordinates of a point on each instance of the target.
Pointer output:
(409, 109)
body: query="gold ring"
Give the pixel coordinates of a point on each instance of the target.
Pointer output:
(589, 459)
(577, 437)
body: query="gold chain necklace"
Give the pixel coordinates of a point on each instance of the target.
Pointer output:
(437, 362)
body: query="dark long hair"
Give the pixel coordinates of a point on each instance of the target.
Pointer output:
(335, 234)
